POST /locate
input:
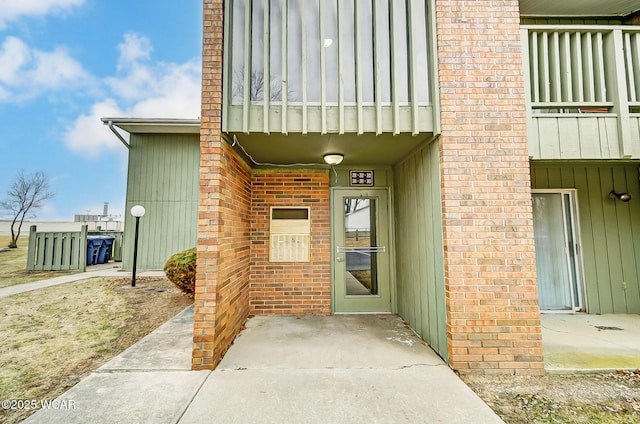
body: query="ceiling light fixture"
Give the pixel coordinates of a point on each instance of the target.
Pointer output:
(333, 158)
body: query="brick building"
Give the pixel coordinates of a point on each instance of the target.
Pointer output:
(470, 143)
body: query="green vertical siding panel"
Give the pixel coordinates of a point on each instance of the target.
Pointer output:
(603, 278)
(403, 252)
(625, 261)
(586, 238)
(163, 177)
(413, 240)
(553, 177)
(420, 264)
(423, 217)
(403, 262)
(569, 143)
(612, 242)
(609, 230)
(437, 314)
(631, 279)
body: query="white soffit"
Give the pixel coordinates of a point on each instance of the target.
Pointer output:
(579, 8)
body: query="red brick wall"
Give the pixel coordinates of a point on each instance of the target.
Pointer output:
(491, 295)
(296, 288)
(222, 280)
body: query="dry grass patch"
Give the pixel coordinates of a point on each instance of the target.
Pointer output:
(13, 264)
(610, 398)
(55, 336)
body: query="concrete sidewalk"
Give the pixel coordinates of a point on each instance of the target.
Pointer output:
(332, 369)
(103, 270)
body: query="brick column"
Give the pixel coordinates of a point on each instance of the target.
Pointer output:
(222, 279)
(493, 322)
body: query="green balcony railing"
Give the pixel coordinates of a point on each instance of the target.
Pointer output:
(328, 66)
(583, 91)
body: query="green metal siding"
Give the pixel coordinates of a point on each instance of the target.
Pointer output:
(163, 177)
(419, 254)
(610, 229)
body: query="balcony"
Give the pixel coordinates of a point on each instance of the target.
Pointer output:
(328, 67)
(583, 89)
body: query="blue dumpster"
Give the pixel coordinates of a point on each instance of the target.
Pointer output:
(104, 254)
(93, 249)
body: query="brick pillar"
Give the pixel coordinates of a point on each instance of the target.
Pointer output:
(493, 321)
(222, 279)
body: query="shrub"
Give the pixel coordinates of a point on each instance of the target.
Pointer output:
(181, 270)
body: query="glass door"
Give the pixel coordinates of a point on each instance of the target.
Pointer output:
(557, 248)
(361, 280)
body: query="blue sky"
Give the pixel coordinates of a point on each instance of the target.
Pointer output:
(64, 64)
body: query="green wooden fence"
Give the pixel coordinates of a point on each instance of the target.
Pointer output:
(55, 251)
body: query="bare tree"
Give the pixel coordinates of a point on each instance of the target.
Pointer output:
(257, 86)
(351, 205)
(26, 194)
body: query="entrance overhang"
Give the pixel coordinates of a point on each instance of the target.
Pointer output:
(366, 149)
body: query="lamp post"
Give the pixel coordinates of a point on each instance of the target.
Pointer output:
(137, 211)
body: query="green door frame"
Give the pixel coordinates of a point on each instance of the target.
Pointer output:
(384, 301)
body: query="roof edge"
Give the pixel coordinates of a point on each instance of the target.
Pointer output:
(154, 125)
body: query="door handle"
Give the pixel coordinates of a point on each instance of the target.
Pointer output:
(339, 259)
(371, 249)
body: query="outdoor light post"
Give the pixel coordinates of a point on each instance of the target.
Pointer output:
(137, 211)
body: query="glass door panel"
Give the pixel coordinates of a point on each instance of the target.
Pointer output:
(556, 246)
(360, 246)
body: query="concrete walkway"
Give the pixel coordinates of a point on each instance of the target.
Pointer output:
(590, 343)
(333, 369)
(103, 270)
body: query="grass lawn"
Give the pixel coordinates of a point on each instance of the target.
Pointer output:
(13, 264)
(53, 337)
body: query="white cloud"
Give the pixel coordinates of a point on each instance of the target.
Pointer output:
(14, 54)
(26, 72)
(14, 9)
(88, 136)
(143, 89)
(134, 49)
(161, 90)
